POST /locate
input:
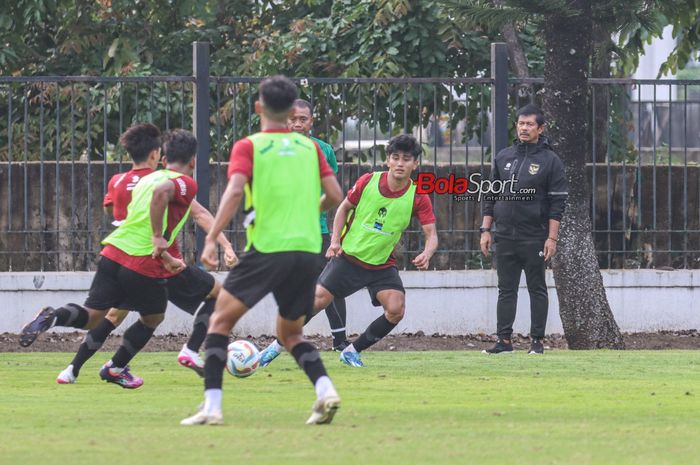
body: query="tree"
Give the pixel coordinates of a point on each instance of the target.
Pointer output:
(567, 27)
(320, 38)
(584, 309)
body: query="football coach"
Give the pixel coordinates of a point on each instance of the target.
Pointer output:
(525, 226)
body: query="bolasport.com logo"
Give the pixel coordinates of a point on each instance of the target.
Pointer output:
(473, 188)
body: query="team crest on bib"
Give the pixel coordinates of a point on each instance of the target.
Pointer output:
(378, 225)
(533, 169)
(379, 222)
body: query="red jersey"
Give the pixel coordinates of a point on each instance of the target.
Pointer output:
(242, 158)
(119, 190)
(185, 191)
(422, 209)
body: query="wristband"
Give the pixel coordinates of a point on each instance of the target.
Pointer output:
(552, 239)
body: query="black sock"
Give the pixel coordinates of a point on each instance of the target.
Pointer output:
(72, 315)
(216, 346)
(94, 339)
(336, 314)
(135, 338)
(200, 325)
(374, 333)
(309, 360)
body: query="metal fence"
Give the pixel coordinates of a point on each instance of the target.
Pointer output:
(58, 149)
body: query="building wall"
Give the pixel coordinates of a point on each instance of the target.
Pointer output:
(444, 302)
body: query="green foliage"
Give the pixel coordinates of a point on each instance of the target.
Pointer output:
(368, 38)
(90, 117)
(375, 39)
(634, 22)
(322, 38)
(693, 91)
(621, 125)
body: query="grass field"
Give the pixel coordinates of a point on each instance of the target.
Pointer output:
(405, 408)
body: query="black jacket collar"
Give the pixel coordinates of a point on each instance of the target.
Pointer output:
(541, 144)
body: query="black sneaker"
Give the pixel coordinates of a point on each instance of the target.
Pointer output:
(41, 323)
(500, 348)
(342, 346)
(536, 348)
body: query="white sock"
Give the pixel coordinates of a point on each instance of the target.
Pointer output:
(186, 350)
(115, 370)
(212, 401)
(324, 387)
(277, 346)
(350, 348)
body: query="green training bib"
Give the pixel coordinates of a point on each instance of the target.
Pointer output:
(135, 235)
(378, 223)
(283, 202)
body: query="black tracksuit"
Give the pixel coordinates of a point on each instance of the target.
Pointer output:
(521, 227)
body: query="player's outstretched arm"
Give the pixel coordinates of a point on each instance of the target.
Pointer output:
(341, 216)
(162, 195)
(205, 220)
(230, 201)
(431, 244)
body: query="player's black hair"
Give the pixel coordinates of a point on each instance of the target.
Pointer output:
(405, 143)
(179, 146)
(278, 94)
(301, 103)
(140, 140)
(531, 109)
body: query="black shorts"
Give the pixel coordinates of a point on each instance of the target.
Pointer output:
(343, 278)
(117, 287)
(290, 276)
(188, 289)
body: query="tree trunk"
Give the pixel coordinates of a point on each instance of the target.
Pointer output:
(601, 69)
(585, 313)
(516, 55)
(517, 60)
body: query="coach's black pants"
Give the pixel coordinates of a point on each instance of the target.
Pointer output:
(513, 257)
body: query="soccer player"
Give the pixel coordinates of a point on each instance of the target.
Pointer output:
(132, 272)
(187, 290)
(301, 120)
(280, 172)
(367, 227)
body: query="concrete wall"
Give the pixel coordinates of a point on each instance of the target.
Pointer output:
(445, 302)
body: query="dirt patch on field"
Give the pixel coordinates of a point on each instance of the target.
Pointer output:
(68, 342)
